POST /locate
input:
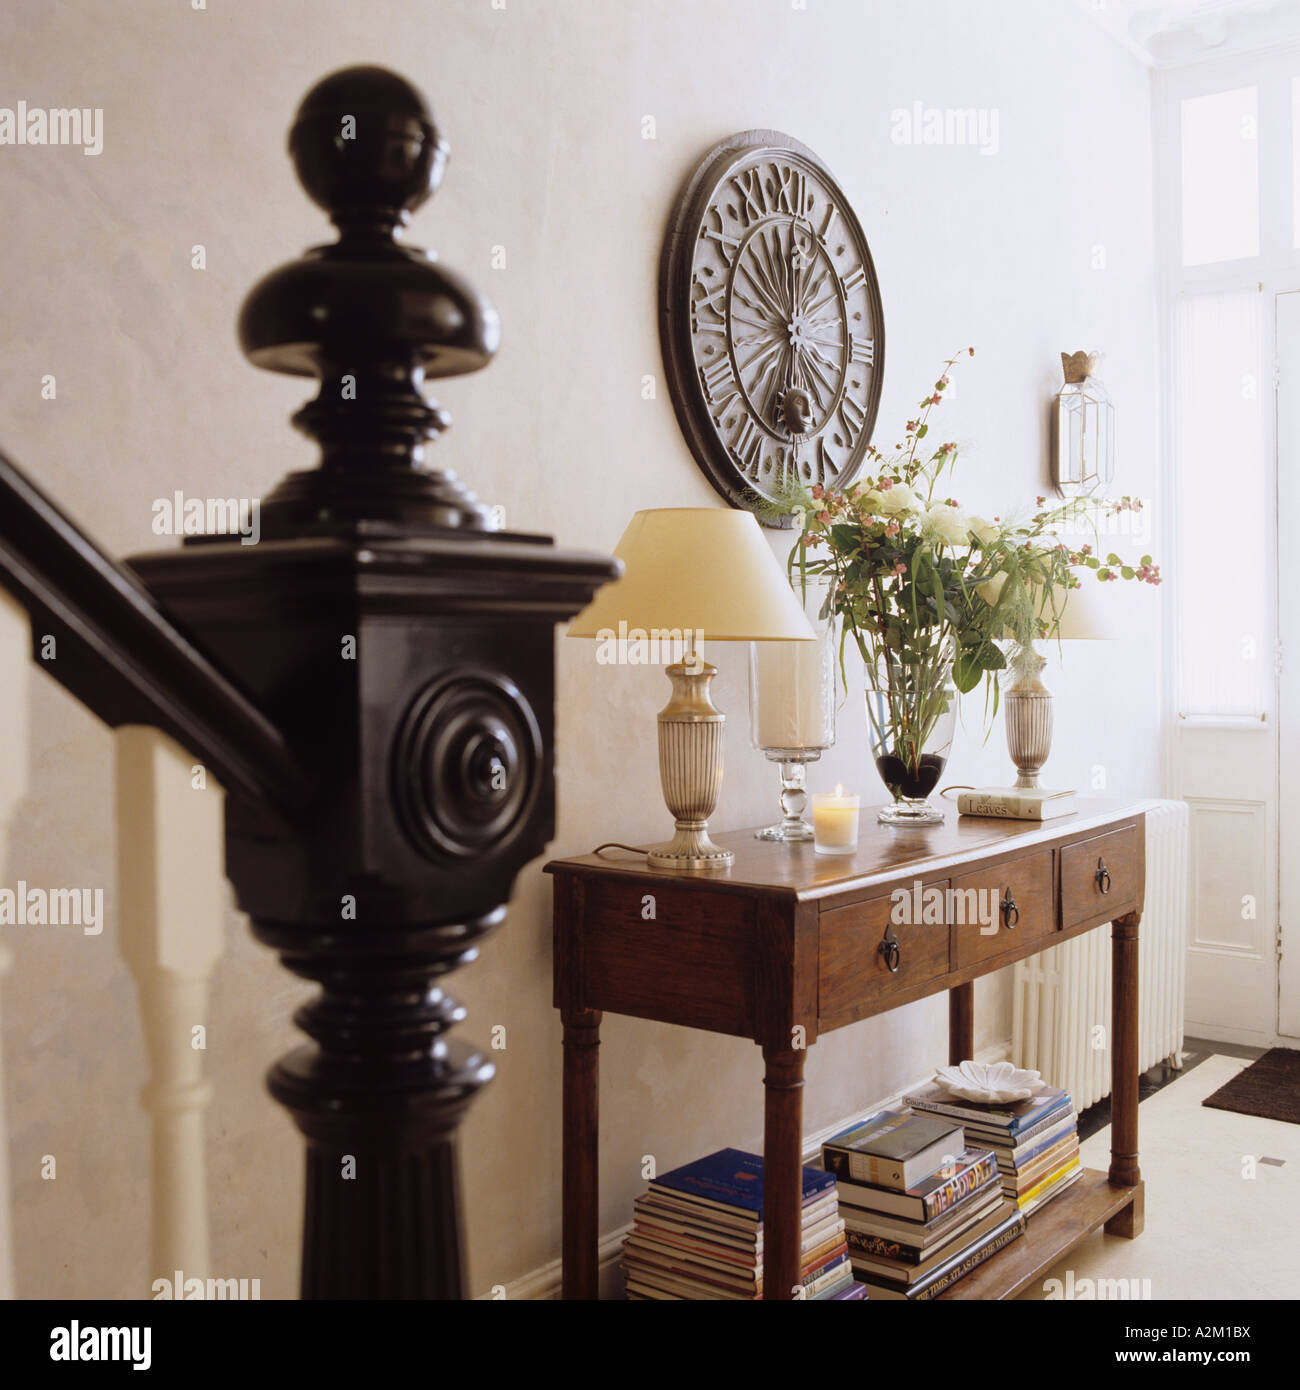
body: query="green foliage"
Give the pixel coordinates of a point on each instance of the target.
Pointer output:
(920, 587)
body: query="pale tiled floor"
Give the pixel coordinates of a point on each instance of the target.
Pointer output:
(1210, 1232)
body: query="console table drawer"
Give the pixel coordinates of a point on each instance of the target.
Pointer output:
(997, 910)
(670, 955)
(854, 973)
(1097, 875)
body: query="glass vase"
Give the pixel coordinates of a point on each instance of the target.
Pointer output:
(911, 716)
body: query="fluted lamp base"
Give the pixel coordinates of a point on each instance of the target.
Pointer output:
(690, 769)
(1028, 705)
(691, 848)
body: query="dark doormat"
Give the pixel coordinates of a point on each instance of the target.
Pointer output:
(1269, 1088)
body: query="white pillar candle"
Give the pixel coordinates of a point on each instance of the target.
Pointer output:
(792, 685)
(835, 823)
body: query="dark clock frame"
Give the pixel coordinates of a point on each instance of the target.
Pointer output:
(676, 266)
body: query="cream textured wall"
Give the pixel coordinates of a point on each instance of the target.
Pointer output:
(543, 102)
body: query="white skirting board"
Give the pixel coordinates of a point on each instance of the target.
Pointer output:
(545, 1282)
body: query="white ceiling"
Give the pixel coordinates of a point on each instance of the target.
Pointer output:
(1173, 33)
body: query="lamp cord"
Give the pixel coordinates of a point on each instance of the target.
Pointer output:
(614, 844)
(956, 787)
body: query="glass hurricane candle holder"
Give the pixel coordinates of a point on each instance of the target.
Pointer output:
(792, 709)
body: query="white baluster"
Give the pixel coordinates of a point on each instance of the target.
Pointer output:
(171, 897)
(15, 656)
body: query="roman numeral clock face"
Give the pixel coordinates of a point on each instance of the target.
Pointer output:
(771, 324)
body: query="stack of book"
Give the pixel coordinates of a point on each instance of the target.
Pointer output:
(1036, 1141)
(921, 1206)
(698, 1233)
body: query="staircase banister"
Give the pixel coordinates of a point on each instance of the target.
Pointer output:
(120, 655)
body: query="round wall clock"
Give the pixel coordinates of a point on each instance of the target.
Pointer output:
(770, 319)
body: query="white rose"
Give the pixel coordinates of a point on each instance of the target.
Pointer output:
(991, 589)
(947, 523)
(896, 500)
(984, 531)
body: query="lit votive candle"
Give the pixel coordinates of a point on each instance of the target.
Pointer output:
(835, 822)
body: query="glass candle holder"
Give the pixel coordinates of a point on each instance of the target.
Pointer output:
(792, 709)
(835, 823)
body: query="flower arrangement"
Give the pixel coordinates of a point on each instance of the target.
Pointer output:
(927, 591)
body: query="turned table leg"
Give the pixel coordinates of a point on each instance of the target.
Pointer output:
(961, 1023)
(1124, 1072)
(782, 1169)
(581, 1153)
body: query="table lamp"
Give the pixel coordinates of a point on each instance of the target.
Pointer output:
(693, 575)
(1028, 701)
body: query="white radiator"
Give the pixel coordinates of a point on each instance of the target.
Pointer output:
(1061, 1001)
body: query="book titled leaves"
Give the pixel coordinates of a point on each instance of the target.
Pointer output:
(1016, 803)
(893, 1148)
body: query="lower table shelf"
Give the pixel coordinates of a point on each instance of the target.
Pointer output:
(1050, 1233)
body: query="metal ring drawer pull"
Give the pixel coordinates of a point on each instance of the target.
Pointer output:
(890, 950)
(1103, 876)
(1010, 912)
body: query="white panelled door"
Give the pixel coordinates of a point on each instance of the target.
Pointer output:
(1228, 165)
(1225, 739)
(1288, 510)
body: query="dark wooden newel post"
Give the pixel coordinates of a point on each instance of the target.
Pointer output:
(405, 648)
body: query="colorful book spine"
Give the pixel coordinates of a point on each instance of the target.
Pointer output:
(990, 1119)
(1024, 1154)
(934, 1099)
(1012, 1229)
(1025, 1198)
(862, 1243)
(959, 1186)
(1023, 1136)
(932, 1199)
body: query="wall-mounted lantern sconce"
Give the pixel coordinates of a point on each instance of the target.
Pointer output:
(1083, 428)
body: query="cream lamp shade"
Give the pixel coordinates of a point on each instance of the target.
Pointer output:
(695, 575)
(1087, 615)
(702, 569)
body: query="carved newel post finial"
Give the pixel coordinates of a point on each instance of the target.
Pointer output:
(368, 316)
(406, 648)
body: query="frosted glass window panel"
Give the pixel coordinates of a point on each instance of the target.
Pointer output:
(1295, 161)
(1220, 147)
(1222, 486)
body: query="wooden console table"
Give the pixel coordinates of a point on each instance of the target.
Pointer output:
(788, 944)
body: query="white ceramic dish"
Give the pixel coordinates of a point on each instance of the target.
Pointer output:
(989, 1083)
